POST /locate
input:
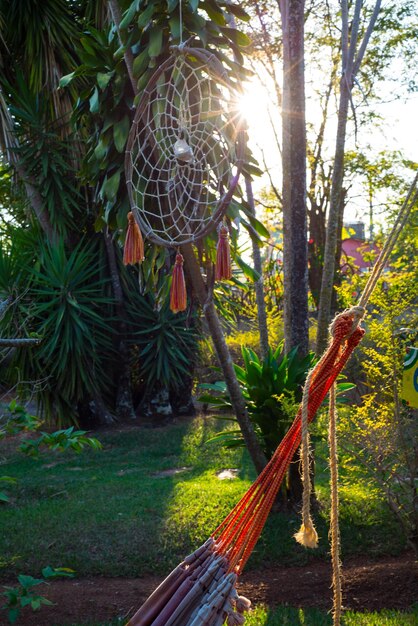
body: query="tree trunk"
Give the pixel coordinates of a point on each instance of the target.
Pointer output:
(224, 358)
(34, 197)
(295, 246)
(37, 204)
(100, 412)
(295, 250)
(334, 219)
(124, 403)
(259, 285)
(351, 62)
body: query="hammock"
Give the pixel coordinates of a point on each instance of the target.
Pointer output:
(201, 590)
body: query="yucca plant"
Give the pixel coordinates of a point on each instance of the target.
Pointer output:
(61, 298)
(167, 343)
(272, 388)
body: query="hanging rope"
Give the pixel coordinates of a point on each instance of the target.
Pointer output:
(334, 521)
(307, 535)
(400, 222)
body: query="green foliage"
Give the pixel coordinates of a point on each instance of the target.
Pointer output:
(272, 389)
(15, 419)
(249, 336)
(381, 434)
(288, 616)
(68, 439)
(47, 157)
(167, 342)
(62, 300)
(17, 598)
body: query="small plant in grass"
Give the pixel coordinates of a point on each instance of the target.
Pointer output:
(24, 595)
(15, 419)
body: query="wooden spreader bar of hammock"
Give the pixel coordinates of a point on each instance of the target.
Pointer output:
(201, 590)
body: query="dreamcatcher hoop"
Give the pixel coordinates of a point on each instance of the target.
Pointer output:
(185, 149)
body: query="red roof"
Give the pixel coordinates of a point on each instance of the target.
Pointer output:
(356, 254)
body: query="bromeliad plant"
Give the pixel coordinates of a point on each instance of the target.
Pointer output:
(272, 388)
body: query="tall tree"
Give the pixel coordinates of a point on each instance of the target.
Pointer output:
(353, 48)
(295, 265)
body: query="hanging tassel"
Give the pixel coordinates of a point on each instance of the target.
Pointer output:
(223, 270)
(178, 295)
(134, 244)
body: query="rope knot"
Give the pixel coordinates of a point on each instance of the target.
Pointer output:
(341, 326)
(344, 325)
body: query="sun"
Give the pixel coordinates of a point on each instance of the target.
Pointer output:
(254, 106)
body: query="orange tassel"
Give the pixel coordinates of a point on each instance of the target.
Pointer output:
(134, 244)
(223, 270)
(178, 295)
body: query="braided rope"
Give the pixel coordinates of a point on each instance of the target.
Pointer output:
(334, 522)
(307, 535)
(400, 222)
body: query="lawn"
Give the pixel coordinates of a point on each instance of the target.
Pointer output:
(286, 616)
(151, 496)
(96, 512)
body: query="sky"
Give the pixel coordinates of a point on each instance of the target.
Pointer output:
(398, 129)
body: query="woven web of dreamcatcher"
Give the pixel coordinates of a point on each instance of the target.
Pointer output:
(184, 151)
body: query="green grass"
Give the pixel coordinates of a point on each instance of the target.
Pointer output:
(286, 616)
(106, 513)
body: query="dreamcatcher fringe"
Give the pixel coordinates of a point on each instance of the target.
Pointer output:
(178, 295)
(223, 269)
(134, 244)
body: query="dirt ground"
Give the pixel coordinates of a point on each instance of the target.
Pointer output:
(390, 582)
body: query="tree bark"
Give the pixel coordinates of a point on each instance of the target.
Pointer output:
(224, 358)
(295, 249)
(128, 56)
(295, 245)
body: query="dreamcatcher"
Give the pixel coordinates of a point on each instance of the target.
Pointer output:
(183, 160)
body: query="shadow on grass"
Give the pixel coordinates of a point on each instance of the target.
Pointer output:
(107, 513)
